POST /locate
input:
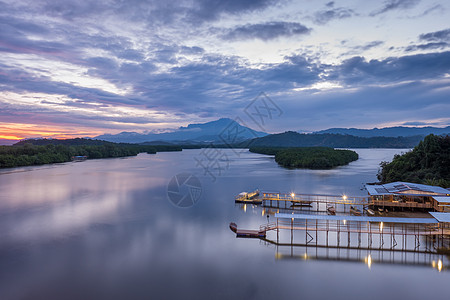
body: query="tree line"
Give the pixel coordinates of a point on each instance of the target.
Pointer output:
(27, 154)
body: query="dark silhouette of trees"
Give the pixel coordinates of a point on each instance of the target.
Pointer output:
(427, 163)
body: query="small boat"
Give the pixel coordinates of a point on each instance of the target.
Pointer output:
(243, 233)
(355, 211)
(245, 197)
(331, 209)
(380, 210)
(370, 212)
(233, 227)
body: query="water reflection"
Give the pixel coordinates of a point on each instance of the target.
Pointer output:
(371, 258)
(104, 229)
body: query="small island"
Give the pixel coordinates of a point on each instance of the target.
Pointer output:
(308, 157)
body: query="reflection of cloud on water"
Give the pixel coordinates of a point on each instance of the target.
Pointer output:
(60, 219)
(73, 180)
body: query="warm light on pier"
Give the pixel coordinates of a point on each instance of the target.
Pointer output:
(292, 195)
(344, 197)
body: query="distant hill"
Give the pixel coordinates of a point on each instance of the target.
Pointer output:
(199, 133)
(295, 139)
(388, 131)
(65, 142)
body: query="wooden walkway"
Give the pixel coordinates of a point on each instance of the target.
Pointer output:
(341, 203)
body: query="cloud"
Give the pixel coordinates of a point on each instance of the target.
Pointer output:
(428, 46)
(370, 45)
(368, 106)
(395, 5)
(441, 35)
(266, 31)
(331, 13)
(204, 10)
(434, 8)
(436, 40)
(360, 48)
(392, 69)
(415, 123)
(131, 63)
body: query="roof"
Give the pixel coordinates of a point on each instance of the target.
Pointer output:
(358, 218)
(441, 217)
(442, 199)
(406, 188)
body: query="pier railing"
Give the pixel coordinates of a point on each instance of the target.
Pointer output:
(303, 198)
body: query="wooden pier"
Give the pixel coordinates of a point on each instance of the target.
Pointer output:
(341, 203)
(404, 234)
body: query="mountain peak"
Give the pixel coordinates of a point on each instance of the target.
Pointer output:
(222, 122)
(200, 132)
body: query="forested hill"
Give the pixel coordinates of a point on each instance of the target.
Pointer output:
(294, 139)
(38, 152)
(427, 163)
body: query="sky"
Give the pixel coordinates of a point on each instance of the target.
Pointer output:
(76, 68)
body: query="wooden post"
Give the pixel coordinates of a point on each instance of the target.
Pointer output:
(278, 233)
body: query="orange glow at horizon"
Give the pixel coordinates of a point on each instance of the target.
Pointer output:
(10, 137)
(17, 131)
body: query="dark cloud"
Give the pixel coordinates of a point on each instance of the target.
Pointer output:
(14, 39)
(370, 45)
(393, 69)
(266, 31)
(331, 13)
(360, 48)
(441, 36)
(212, 9)
(151, 11)
(131, 54)
(395, 5)
(436, 40)
(428, 46)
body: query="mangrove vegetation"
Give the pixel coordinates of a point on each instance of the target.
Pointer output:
(308, 157)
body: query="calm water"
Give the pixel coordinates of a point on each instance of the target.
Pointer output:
(104, 229)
